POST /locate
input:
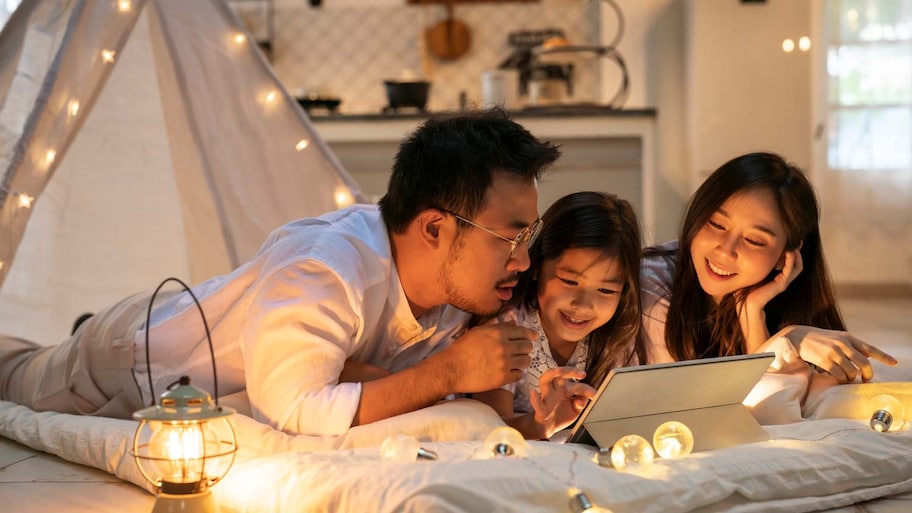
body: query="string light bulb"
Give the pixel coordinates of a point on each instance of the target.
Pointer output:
(239, 38)
(271, 96)
(50, 156)
(108, 55)
(631, 451)
(504, 442)
(403, 447)
(581, 503)
(73, 108)
(888, 412)
(124, 5)
(25, 201)
(302, 144)
(673, 439)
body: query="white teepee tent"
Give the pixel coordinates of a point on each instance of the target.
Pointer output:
(140, 139)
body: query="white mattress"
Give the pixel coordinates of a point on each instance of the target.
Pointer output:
(815, 465)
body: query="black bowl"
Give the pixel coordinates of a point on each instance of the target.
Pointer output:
(407, 94)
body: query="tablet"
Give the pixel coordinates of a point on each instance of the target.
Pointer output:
(705, 395)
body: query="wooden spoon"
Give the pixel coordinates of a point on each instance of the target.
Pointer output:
(448, 39)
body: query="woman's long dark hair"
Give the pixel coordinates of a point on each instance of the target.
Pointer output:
(698, 328)
(604, 222)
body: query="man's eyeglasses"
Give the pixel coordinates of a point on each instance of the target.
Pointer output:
(526, 236)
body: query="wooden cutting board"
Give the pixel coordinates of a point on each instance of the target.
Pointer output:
(448, 39)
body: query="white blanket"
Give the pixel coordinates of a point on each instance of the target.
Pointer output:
(808, 466)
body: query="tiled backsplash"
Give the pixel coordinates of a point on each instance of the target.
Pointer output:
(348, 52)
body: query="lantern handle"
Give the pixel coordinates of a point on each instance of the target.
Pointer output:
(205, 325)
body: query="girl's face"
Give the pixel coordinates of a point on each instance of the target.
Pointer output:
(578, 292)
(740, 244)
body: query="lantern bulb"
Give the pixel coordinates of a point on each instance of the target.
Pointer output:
(631, 451)
(888, 412)
(504, 442)
(673, 439)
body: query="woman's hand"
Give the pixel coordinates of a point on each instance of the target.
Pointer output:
(791, 268)
(751, 313)
(560, 399)
(836, 352)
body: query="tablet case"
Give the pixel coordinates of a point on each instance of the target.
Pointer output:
(705, 395)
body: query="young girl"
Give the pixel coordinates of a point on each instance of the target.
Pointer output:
(581, 293)
(750, 263)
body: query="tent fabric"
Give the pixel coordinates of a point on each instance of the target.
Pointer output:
(153, 140)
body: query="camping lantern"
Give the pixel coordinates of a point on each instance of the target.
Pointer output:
(183, 446)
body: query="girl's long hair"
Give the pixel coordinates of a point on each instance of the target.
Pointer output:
(698, 328)
(604, 222)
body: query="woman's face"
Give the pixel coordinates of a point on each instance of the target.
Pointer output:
(578, 292)
(740, 244)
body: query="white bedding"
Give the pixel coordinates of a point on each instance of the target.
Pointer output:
(813, 465)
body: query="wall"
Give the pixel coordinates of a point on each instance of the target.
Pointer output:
(347, 48)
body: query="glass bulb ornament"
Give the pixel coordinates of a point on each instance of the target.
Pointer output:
(504, 442)
(581, 503)
(603, 457)
(631, 451)
(673, 439)
(183, 446)
(887, 412)
(399, 447)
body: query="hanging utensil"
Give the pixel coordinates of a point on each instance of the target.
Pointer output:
(448, 39)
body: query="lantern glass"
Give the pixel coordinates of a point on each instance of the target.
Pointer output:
(184, 456)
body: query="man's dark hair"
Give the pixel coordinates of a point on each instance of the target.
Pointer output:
(449, 163)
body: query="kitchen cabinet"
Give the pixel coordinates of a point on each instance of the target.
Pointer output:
(602, 149)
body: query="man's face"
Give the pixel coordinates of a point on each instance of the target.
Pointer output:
(479, 274)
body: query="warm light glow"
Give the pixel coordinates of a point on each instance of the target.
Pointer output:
(50, 156)
(852, 15)
(73, 108)
(673, 439)
(271, 96)
(107, 55)
(25, 201)
(631, 451)
(788, 45)
(804, 44)
(302, 144)
(177, 451)
(239, 38)
(343, 197)
(1, 265)
(124, 5)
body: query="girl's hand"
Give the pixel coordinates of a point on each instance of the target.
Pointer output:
(791, 268)
(560, 400)
(836, 352)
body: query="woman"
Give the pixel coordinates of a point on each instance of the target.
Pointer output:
(749, 263)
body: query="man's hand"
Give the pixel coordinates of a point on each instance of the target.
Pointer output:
(836, 352)
(489, 356)
(560, 399)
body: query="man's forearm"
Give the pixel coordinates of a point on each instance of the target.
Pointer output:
(405, 391)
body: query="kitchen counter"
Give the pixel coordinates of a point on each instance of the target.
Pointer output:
(602, 149)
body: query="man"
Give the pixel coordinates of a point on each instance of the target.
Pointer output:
(341, 320)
